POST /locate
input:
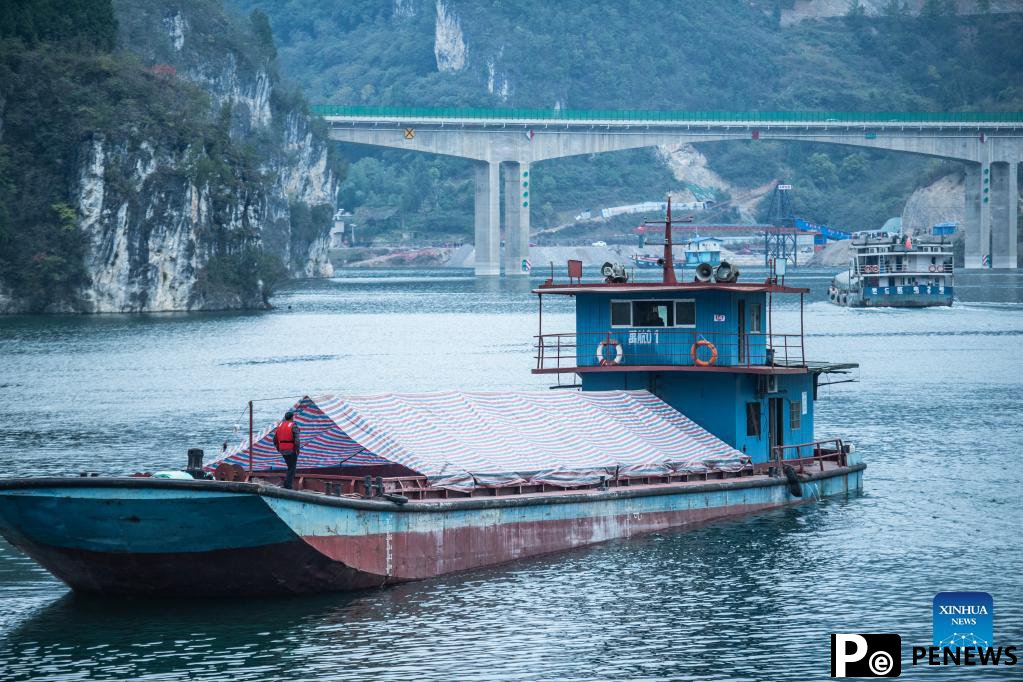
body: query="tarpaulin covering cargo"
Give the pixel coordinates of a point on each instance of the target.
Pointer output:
(462, 440)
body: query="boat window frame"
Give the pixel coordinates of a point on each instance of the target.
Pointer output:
(674, 312)
(610, 312)
(759, 308)
(795, 415)
(754, 406)
(632, 313)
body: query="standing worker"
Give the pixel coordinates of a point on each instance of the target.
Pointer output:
(286, 442)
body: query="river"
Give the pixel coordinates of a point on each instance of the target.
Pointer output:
(937, 414)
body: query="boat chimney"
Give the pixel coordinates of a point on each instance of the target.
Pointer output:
(669, 258)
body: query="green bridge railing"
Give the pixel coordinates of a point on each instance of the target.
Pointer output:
(679, 116)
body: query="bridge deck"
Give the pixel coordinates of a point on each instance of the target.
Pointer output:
(568, 117)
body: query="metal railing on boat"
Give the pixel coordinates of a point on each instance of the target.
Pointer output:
(667, 346)
(887, 269)
(804, 455)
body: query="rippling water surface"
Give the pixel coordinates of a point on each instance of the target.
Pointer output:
(937, 414)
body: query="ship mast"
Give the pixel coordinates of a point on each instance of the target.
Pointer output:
(669, 258)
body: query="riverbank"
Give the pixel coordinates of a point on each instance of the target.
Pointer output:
(539, 256)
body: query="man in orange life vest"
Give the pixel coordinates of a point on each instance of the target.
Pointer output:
(286, 442)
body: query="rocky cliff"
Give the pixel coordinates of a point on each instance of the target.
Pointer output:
(196, 190)
(944, 200)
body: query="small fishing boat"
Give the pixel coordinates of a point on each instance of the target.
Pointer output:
(650, 262)
(691, 407)
(893, 270)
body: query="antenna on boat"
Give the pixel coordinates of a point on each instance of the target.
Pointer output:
(669, 257)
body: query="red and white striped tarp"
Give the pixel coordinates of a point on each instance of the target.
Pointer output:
(460, 440)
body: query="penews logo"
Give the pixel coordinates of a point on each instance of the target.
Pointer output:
(962, 635)
(866, 655)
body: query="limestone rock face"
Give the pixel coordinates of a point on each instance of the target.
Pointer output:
(688, 164)
(944, 200)
(147, 230)
(152, 225)
(449, 44)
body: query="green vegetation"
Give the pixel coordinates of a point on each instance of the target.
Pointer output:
(89, 23)
(229, 278)
(661, 55)
(65, 88)
(66, 99)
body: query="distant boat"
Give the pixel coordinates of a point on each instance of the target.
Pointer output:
(703, 250)
(897, 271)
(645, 262)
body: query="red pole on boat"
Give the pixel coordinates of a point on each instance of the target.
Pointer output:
(669, 260)
(250, 436)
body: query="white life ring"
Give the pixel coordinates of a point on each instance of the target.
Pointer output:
(933, 268)
(619, 353)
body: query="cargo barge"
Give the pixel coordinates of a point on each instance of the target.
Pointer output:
(690, 407)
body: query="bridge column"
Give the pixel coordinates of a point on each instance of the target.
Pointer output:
(1004, 214)
(516, 217)
(978, 215)
(488, 219)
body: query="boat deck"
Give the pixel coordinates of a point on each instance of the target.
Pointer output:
(752, 480)
(825, 457)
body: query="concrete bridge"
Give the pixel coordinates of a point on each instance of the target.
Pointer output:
(991, 144)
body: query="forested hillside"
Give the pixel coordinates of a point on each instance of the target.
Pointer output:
(657, 54)
(149, 160)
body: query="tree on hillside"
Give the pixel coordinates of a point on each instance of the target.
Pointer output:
(89, 22)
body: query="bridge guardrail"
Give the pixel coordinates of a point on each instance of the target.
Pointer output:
(639, 115)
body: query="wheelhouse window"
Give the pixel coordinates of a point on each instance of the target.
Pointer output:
(685, 313)
(621, 314)
(653, 313)
(754, 318)
(753, 419)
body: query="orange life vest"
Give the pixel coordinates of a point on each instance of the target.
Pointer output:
(286, 436)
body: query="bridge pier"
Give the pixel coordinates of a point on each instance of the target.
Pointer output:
(487, 225)
(516, 217)
(1004, 214)
(977, 251)
(992, 215)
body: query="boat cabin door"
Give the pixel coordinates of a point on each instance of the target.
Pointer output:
(775, 425)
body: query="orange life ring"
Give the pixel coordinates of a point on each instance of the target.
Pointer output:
(619, 352)
(713, 353)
